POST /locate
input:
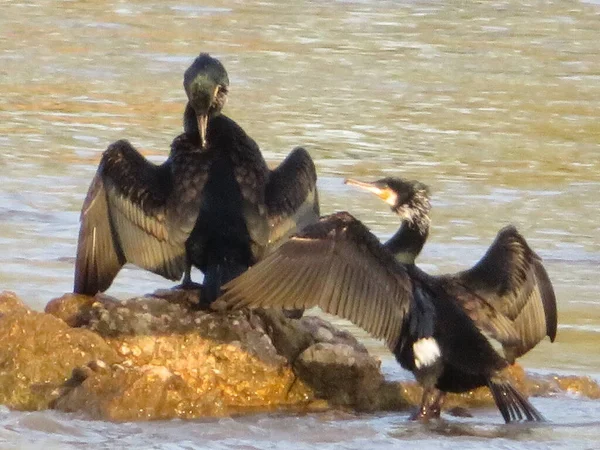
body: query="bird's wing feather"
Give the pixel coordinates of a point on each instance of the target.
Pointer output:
(125, 219)
(511, 279)
(292, 198)
(99, 257)
(337, 265)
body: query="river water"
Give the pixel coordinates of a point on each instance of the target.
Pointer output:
(493, 104)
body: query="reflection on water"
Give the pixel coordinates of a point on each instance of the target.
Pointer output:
(493, 104)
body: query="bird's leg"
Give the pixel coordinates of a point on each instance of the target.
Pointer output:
(423, 414)
(187, 276)
(435, 408)
(194, 298)
(187, 282)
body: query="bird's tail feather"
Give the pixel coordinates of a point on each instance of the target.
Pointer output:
(512, 404)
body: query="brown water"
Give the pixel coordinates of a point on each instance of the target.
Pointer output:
(493, 104)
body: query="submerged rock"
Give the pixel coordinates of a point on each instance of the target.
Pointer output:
(154, 357)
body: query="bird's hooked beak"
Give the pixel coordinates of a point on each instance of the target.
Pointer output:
(202, 126)
(203, 118)
(386, 194)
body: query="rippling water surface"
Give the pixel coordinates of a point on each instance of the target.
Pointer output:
(493, 104)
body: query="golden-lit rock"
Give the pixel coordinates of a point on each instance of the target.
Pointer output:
(180, 362)
(156, 357)
(38, 352)
(572, 384)
(11, 304)
(74, 309)
(183, 363)
(583, 386)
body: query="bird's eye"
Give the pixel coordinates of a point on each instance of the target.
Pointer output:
(222, 89)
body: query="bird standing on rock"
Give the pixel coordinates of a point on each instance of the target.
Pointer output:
(507, 294)
(440, 328)
(213, 204)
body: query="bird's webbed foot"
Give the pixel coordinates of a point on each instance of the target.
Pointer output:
(195, 291)
(423, 415)
(431, 406)
(189, 286)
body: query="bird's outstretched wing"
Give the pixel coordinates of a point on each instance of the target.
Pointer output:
(126, 217)
(512, 280)
(337, 265)
(292, 198)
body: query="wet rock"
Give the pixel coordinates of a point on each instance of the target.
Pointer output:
(178, 362)
(459, 411)
(182, 363)
(74, 309)
(341, 374)
(571, 384)
(332, 362)
(155, 357)
(38, 352)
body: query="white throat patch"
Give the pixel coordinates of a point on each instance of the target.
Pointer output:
(426, 352)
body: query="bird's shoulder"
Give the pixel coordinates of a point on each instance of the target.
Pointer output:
(128, 174)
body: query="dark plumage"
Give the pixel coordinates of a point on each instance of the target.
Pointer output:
(213, 203)
(507, 294)
(510, 278)
(435, 326)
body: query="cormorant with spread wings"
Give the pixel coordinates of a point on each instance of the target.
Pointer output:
(213, 203)
(441, 328)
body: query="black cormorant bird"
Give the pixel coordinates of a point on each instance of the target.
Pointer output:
(507, 294)
(440, 328)
(213, 203)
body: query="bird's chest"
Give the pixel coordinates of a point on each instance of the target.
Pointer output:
(222, 201)
(232, 192)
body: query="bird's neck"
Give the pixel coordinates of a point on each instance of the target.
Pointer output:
(408, 241)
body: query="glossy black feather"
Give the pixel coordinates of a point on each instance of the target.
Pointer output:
(345, 271)
(508, 294)
(327, 265)
(213, 204)
(511, 403)
(292, 198)
(126, 217)
(338, 265)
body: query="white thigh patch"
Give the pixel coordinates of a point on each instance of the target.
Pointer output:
(426, 352)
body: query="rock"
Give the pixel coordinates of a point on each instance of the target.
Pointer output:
(575, 385)
(74, 309)
(332, 362)
(38, 352)
(215, 364)
(11, 304)
(343, 375)
(184, 363)
(155, 357)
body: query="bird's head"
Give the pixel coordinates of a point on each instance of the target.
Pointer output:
(206, 84)
(407, 198)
